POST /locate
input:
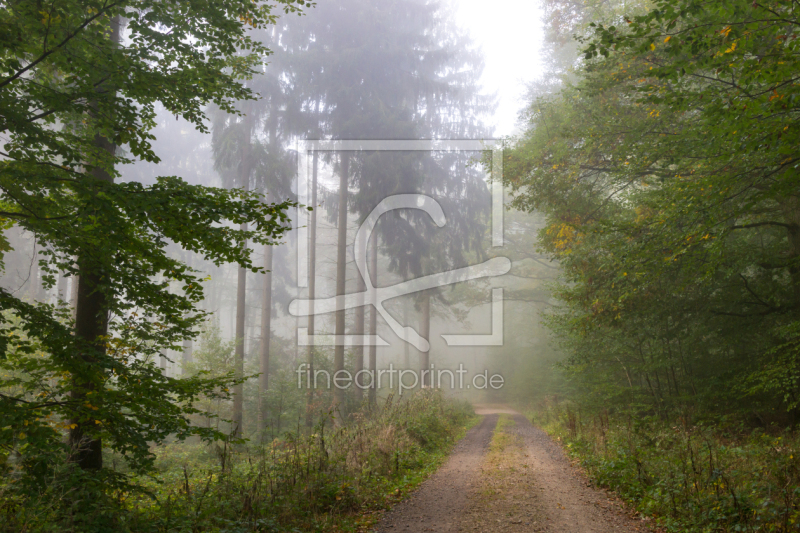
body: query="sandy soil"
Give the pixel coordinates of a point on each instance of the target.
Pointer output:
(525, 484)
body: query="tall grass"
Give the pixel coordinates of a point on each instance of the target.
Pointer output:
(691, 477)
(333, 479)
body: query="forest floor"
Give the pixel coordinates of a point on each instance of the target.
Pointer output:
(508, 475)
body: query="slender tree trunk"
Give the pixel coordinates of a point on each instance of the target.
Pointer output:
(359, 332)
(266, 330)
(241, 296)
(238, 389)
(186, 356)
(341, 272)
(406, 356)
(425, 331)
(61, 288)
(33, 277)
(312, 285)
(373, 317)
(73, 296)
(91, 325)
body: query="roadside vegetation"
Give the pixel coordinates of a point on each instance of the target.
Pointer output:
(334, 479)
(712, 476)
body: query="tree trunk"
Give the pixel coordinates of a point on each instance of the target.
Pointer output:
(266, 330)
(406, 356)
(73, 296)
(91, 325)
(358, 330)
(61, 288)
(33, 276)
(312, 284)
(238, 371)
(341, 271)
(186, 356)
(425, 331)
(241, 295)
(373, 317)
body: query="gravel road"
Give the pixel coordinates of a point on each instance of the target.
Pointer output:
(544, 490)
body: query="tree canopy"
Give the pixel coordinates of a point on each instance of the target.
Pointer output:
(668, 173)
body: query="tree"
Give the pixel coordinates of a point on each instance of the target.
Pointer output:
(667, 176)
(71, 91)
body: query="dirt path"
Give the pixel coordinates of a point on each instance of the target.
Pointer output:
(438, 502)
(517, 481)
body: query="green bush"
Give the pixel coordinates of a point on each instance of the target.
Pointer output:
(691, 477)
(300, 482)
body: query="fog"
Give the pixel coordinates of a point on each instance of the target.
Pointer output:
(354, 69)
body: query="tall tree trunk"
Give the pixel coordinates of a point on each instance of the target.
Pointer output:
(341, 272)
(358, 330)
(266, 330)
(61, 288)
(186, 356)
(312, 285)
(33, 276)
(425, 331)
(241, 296)
(91, 325)
(373, 317)
(73, 295)
(406, 356)
(238, 389)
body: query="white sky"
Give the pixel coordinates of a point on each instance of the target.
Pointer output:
(510, 33)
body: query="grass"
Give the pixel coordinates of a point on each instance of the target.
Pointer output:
(690, 477)
(333, 479)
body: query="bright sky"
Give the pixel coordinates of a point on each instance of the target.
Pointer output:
(510, 33)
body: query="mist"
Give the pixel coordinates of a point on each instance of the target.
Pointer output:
(361, 265)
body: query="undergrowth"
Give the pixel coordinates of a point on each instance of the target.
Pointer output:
(333, 479)
(689, 476)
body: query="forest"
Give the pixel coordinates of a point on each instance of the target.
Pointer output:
(281, 266)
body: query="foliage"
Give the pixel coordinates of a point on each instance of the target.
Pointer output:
(78, 79)
(667, 173)
(692, 478)
(333, 477)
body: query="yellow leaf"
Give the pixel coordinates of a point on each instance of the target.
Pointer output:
(668, 38)
(652, 46)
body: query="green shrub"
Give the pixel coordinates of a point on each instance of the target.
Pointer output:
(691, 477)
(300, 482)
